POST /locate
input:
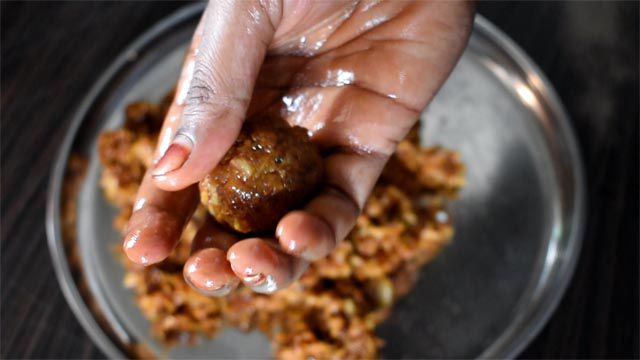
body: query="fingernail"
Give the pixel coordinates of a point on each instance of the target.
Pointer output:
(201, 270)
(175, 156)
(253, 279)
(267, 285)
(299, 249)
(209, 288)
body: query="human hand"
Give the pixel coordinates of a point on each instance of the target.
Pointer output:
(356, 75)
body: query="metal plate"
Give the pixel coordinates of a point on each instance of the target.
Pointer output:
(518, 221)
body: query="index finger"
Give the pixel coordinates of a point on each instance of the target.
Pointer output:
(159, 216)
(157, 222)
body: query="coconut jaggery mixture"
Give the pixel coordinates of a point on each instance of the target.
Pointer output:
(271, 169)
(333, 310)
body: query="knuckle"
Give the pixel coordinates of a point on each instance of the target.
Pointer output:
(207, 97)
(200, 91)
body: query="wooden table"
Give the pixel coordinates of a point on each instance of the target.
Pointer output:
(53, 52)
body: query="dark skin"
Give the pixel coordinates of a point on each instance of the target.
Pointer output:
(355, 74)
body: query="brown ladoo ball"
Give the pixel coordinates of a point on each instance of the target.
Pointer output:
(271, 169)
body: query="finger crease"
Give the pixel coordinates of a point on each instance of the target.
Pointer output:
(339, 191)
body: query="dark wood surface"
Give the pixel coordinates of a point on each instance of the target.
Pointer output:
(51, 53)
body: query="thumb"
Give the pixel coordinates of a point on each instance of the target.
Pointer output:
(216, 89)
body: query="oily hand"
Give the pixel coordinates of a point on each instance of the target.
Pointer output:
(355, 74)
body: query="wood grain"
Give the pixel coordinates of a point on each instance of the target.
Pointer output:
(51, 53)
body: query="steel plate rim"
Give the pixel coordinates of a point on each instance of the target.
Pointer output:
(510, 342)
(513, 339)
(52, 218)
